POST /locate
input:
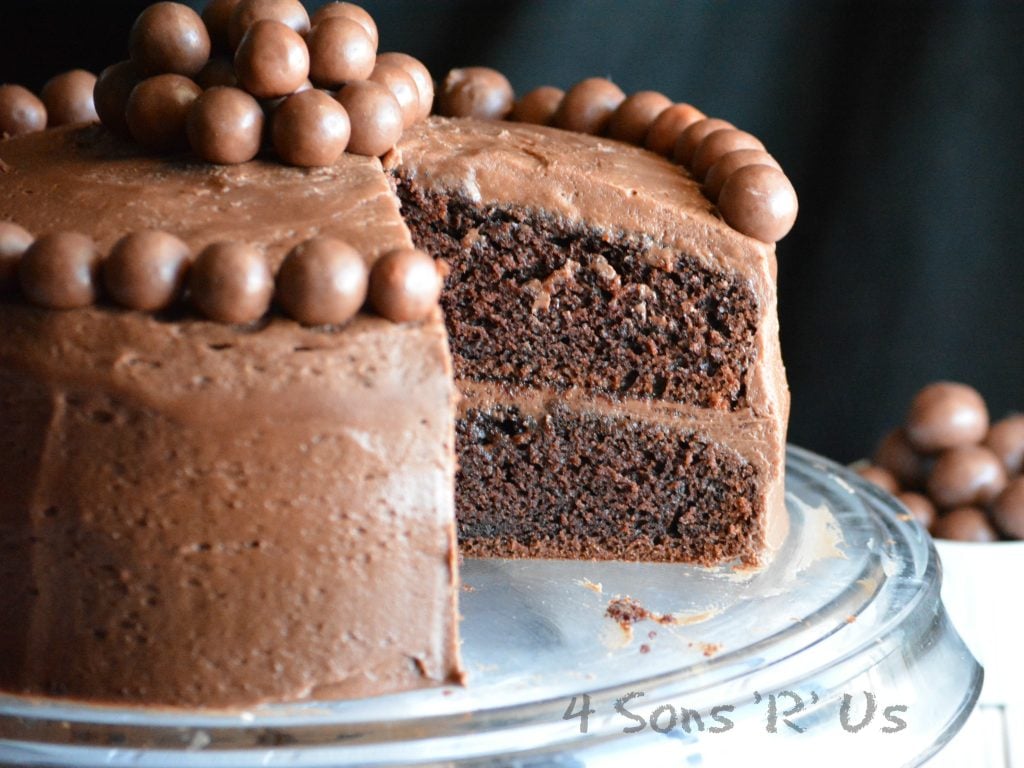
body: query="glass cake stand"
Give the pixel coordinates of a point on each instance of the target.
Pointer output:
(838, 650)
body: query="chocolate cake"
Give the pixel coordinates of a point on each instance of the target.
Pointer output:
(241, 430)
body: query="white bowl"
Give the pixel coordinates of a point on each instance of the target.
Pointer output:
(983, 591)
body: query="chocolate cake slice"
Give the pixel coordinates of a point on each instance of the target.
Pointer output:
(615, 344)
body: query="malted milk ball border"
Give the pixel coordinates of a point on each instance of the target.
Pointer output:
(322, 281)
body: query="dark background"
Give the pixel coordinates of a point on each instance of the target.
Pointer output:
(901, 125)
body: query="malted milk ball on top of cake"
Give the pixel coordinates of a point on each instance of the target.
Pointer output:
(635, 116)
(69, 98)
(217, 17)
(402, 87)
(21, 111)
(348, 11)
(291, 13)
(375, 116)
(322, 281)
(968, 475)
(225, 126)
(1008, 509)
(169, 38)
(479, 92)
(731, 162)
(419, 72)
(668, 126)
(717, 144)
(340, 51)
(272, 60)
(110, 95)
(538, 107)
(146, 270)
(692, 136)
(965, 524)
(60, 271)
(760, 202)
(231, 283)
(1006, 439)
(14, 241)
(944, 415)
(157, 109)
(588, 106)
(310, 129)
(404, 285)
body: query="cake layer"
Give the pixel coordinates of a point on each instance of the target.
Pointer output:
(544, 473)
(195, 515)
(534, 300)
(576, 485)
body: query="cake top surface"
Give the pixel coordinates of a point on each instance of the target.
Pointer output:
(579, 178)
(83, 179)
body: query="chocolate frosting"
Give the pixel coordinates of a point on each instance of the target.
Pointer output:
(578, 178)
(83, 179)
(282, 530)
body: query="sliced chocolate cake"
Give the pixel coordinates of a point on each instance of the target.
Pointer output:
(239, 413)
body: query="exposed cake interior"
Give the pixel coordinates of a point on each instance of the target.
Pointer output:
(566, 483)
(538, 308)
(535, 301)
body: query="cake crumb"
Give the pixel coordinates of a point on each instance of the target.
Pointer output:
(592, 586)
(850, 619)
(645, 648)
(659, 258)
(708, 649)
(627, 611)
(542, 292)
(471, 236)
(606, 273)
(541, 298)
